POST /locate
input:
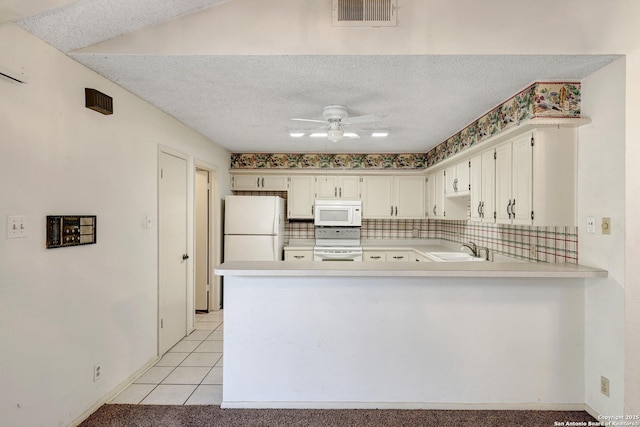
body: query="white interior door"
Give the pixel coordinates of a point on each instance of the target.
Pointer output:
(201, 256)
(172, 248)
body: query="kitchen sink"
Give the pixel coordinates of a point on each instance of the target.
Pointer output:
(455, 256)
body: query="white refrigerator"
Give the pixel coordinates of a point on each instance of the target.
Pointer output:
(253, 228)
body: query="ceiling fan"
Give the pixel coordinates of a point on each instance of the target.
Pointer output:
(338, 125)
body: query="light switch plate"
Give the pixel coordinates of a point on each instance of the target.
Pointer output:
(16, 226)
(606, 225)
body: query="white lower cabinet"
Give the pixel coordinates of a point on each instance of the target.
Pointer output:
(384, 255)
(374, 256)
(399, 256)
(298, 255)
(421, 258)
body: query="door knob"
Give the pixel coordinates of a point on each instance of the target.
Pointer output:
(185, 257)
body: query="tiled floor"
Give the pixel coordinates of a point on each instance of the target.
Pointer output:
(188, 374)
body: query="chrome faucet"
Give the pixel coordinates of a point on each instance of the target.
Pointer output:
(486, 252)
(472, 246)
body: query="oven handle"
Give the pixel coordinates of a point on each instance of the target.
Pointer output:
(342, 255)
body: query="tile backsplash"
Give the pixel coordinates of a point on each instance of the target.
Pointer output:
(551, 244)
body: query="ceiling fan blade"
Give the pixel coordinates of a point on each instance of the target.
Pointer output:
(361, 119)
(310, 120)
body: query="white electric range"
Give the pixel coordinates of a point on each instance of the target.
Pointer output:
(337, 244)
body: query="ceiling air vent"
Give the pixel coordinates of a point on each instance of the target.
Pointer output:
(364, 13)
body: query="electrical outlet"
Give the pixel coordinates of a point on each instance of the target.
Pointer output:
(591, 225)
(533, 251)
(604, 385)
(97, 372)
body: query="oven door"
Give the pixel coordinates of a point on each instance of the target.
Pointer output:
(337, 254)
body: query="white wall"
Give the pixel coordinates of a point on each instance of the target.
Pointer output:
(64, 310)
(601, 194)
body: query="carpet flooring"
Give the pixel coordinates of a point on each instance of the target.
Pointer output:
(212, 416)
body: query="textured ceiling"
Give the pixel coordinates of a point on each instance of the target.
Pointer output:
(245, 102)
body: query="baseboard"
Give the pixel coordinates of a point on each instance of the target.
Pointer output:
(407, 405)
(113, 393)
(589, 410)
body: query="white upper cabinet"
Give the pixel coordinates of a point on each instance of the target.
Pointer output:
(536, 178)
(301, 196)
(435, 195)
(457, 179)
(409, 197)
(377, 197)
(514, 174)
(398, 197)
(438, 205)
(482, 180)
(338, 187)
(259, 182)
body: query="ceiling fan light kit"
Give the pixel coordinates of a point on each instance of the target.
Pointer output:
(336, 118)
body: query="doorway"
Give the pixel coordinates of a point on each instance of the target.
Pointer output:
(172, 249)
(207, 226)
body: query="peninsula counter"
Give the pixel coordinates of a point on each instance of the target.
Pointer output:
(423, 335)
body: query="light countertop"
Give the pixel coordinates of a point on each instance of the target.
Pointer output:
(406, 269)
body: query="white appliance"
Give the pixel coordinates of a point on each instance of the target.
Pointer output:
(337, 213)
(254, 228)
(337, 244)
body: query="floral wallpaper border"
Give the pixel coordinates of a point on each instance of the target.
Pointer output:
(540, 99)
(327, 161)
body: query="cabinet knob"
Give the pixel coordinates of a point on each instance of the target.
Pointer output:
(185, 257)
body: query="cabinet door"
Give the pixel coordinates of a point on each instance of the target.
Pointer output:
(374, 256)
(274, 183)
(462, 178)
(298, 255)
(450, 180)
(399, 256)
(245, 182)
(409, 197)
(438, 195)
(457, 180)
(301, 197)
(327, 187)
(488, 186)
(349, 187)
(522, 180)
(475, 179)
(377, 201)
(503, 183)
(435, 192)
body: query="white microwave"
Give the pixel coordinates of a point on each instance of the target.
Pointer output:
(337, 213)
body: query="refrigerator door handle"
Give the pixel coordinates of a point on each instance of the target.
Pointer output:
(276, 255)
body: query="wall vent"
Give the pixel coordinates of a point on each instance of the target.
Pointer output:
(364, 13)
(98, 101)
